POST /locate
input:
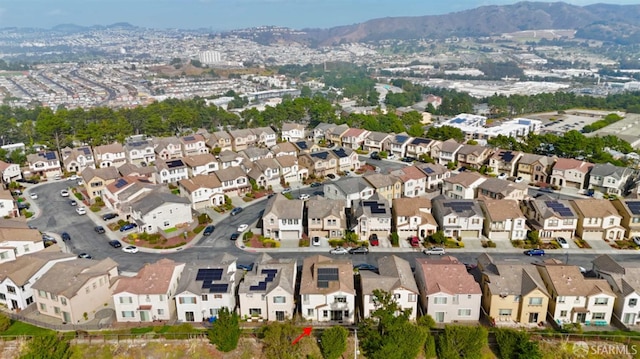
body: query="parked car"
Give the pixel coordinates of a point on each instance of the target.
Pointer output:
(316, 184)
(85, 256)
(72, 178)
(365, 266)
(109, 216)
(315, 241)
(99, 229)
(636, 240)
(81, 211)
(234, 236)
(359, 250)
(236, 211)
(502, 176)
(33, 195)
(127, 227)
(130, 249)
(243, 227)
(73, 202)
(562, 242)
(408, 159)
(434, 250)
(115, 244)
(65, 236)
(286, 190)
(414, 241)
(304, 197)
(208, 230)
(391, 156)
(534, 252)
(338, 250)
(373, 240)
(331, 176)
(245, 267)
(64, 193)
(518, 179)
(375, 156)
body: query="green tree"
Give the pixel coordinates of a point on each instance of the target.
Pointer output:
(444, 133)
(438, 237)
(5, 322)
(334, 342)
(457, 341)
(52, 127)
(388, 333)
(225, 331)
(277, 339)
(50, 346)
(516, 344)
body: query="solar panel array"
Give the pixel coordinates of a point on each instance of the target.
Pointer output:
(459, 206)
(340, 152)
(49, 155)
(121, 182)
(507, 156)
(138, 143)
(401, 138)
(208, 276)
(301, 145)
(175, 163)
(419, 141)
(189, 138)
(86, 151)
(428, 170)
(270, 275)
(559, 208)
(323, 155)
(634, 207)
(326, 275)
(375, 207)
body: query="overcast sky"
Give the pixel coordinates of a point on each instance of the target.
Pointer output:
(227, 14)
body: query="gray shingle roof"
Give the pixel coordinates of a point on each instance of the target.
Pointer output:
(154, 199)
(282, 207)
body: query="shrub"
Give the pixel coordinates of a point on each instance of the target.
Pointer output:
(180, 331)
(5, 322)
(79, 196)
(426, 321)
(395, 239)
(198, 229)
(458, 341)
(336, 242)
(225, 331)
(516, 344)
(50, 346)
(204, 218)
(334, 342)
(430, 347)
(438, 237)
(303, 242)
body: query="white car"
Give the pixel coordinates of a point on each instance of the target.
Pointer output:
(518, 179)
(391, 156)
(64, 193)
(130, 249)
(434, 250)
(81, 210)
(73, 178)
(502, 176)
(339, 250)
(304, 197)
(562, 242)
(315, 241)
(636, 240)
(243, 227)
(33, 195)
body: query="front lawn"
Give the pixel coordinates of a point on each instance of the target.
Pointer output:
(22, 328)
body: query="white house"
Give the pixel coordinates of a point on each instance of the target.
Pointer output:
(233, 180)
(44, 164)
(16, 240)
(395, 278)
(202, 164)
(399, 143)
(203, 191)
(8, 206)
(10, 171)
(503, 220)
(458, 218)
(412, 217)
(160, 210)
(77, 159)
(624, 279)
(205, 287)
(372, 216)
(148, 296)
(349, 189)
(193, 145)
(283, 218)
(265, 136)
(140, 150)
(170, 171)
(327, 291)
(292, 132)
(112, 155)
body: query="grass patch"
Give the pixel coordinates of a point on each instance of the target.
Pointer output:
(22, 328)
(169, 230)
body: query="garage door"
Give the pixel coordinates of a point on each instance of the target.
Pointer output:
(496, 236)
(469, 234)
(289, 235)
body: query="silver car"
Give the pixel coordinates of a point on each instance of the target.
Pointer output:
(434, 250)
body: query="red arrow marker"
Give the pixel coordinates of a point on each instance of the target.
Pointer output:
(306, 331)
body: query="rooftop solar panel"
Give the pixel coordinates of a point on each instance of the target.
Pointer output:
(121, 182)
(507, 156)
(209, 274)
(419, 141)
(189, 138)
(323, 155)
(50, 155)
(428, 170)
(175, 163)
(219, 288)
(401, 138)
(327, 274)
(301, 145)
(85, 150)
(269, 271)
(340, 152)
(323, 284)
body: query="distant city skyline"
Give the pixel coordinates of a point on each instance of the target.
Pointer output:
(228, 14)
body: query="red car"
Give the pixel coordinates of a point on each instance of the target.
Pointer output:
(373, 240)
(415, 241)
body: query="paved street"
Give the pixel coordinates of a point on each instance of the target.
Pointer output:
(55, 215)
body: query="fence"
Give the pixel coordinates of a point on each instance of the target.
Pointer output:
(59, 327)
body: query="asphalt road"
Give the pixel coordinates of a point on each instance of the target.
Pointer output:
(57, 216)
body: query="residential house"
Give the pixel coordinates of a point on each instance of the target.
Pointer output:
(193, 145)
(354, 138)
(446, 152)
(535, 168)
(473, 156)
(168, 148)
(624, 279)
(513, 292)
(292, 132)
(253, 154)
(267, 292)
(265, 136)
(234, 180)
(95, 180)
(158, 209)
(349, 190)
(576, 299)
(412, 217)
(17, 239)
(319, 164)
(377, 141)
(503, 220)
(117, 195)
(399, 143)
(284, 149)
(221, 140)
(230, 159)
(205, 287)
(551, 218)
(414, 181)
(8, 206)
(386, 186)
(570, 173)
(598, 219)
(321, 132)
(140, 151)
(241, 139)
(371, 216)
(305, 146)
(112, 155)
(420, 146)
(502, 189)
(290, 172)
(148, 296)
(326, 217)
(464, 185)
(458, 218)
(630, 212)
(202, 191)
(395, 278)
(283, 218)
(44, 164)
(436, 174)
(610, 179)
(75, 160)
(171, 171)
(265, 172)
(327, 290)
(10, 172)
(504, 161)
(448, 293)
(347, 159)
(131, 170)
(74, 291)
(202, 164)
(17, 276)
(335, 134)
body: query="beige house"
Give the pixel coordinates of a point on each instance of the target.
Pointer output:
(551, 218)
(504, 161)
(74, 291)
(502, 189)
(219, 139)
(598, 219)
(503, 220)
(77, 159)
(412, 217)
(168, 148)
(372, 216)
(326, 217)
(386, 186)
(513, 292)
(112, 155)
(630, 212)
(320, 163)
(268, 290)
(535, 168)
(242, 138)
(570, 173)
(96, 180)
(464, 185)
(203, 191)
(473, 156)
(283, 218)
(448, 292)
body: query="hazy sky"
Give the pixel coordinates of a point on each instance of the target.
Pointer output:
(227, 14)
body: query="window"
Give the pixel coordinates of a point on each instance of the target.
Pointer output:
(127, 314)
(464, 312)
(126, 300)
(3, 297)
(340, 299)
(397, 296)
(255, 311)
(166, 223)
(11, 289)
(633, 301)
(504, 312)
(553, 223)
(187, 300)
(56, 310)
(310, 312)
(160, 311)
(29, 300)
(516, 298)
(561, 299)
(413, 297)
(325, 313)
(63, 300)
(440, 300)
(161, 297)
(305, 298)
(279, 300)
(213, 312)
(535, 301)
(563, 313)
(217, 296)
(567, 222)
(43, 307)
(42, 294)
(475, 221)
(601, 301)
(205, 297)
(148, 299)
(611, 221)
(598, 316)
